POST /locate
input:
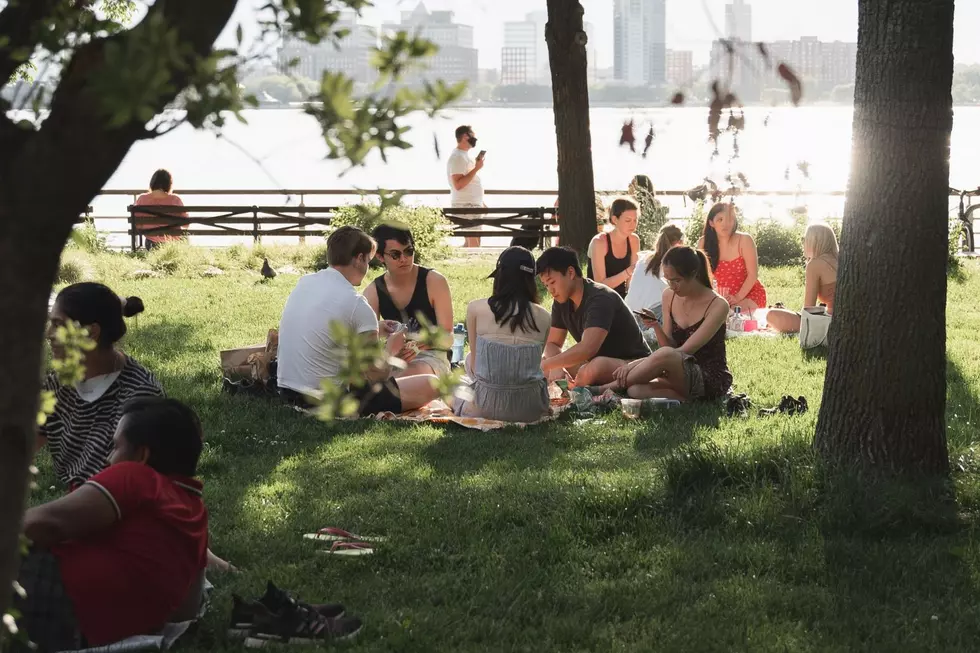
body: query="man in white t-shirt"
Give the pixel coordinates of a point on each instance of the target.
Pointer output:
(308, 354)
(465, 187)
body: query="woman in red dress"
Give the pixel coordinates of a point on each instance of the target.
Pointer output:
(734, 260)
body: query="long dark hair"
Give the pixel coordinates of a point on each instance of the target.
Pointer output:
(669, 234)
(690, 263)
(711, 246)
(94, 303)
(514, 291)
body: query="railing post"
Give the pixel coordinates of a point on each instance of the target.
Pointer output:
(302, 214)
(132, 227)
(255, 225)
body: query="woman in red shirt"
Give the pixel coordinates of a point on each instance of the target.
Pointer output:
(161, 193)
(125, 553)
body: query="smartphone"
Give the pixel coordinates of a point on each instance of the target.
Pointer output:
(482, 154)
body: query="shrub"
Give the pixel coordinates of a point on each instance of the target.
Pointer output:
(179, 258)
(426, 223)
(653, 216)
(777, 244)
(695, 224)
(73, 268)
(87, 238)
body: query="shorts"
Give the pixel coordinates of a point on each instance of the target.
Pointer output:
(694, 377)
(437, 360)
(372, 399)
(47, 614)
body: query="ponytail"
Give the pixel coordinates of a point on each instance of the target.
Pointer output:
(690, 263)
(669, 235)
(704, 269)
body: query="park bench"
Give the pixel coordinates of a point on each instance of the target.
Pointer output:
(530, 227)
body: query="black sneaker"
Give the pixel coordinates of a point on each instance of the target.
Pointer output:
(275, 600)
(297, 625)
(738, 405)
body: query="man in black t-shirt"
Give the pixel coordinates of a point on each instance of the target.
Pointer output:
(604, 329)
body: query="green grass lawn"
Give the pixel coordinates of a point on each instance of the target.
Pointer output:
(687, 532)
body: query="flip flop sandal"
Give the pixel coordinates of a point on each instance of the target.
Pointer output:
(332, 534)
(350, 549)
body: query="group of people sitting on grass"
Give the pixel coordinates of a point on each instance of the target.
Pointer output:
(516, 347)
(128, 455)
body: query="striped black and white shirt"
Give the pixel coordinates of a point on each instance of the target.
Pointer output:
(79, 433)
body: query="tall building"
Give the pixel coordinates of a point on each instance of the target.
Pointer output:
(680, 67)
(738, 20)
(825, 64)
(519, 56)
(640, 42)
(456, 60)
(351, 55)
(738, 28)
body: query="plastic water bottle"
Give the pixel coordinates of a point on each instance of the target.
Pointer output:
(459, 342)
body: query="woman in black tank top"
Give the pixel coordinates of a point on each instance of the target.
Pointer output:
(419, 304)
(616, 272)
(692, 362)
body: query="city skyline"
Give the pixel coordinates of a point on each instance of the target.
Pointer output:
(687, 27)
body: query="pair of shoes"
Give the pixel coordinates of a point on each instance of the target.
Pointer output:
(778, 305)
(738, 405)
(277, 618)
(787, 405)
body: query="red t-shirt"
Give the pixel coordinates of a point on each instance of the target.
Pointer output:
(129, 579)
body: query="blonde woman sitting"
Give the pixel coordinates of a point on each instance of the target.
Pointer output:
(821, 251)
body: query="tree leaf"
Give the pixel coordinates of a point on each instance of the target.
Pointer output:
(795, 86)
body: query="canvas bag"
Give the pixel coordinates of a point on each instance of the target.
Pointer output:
(251, 362)
(814, 327)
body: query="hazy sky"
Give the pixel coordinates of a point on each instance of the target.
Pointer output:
(687, 25)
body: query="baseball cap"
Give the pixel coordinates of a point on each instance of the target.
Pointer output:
(515, 258)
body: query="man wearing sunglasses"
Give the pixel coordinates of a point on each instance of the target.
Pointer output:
(465, 186)
(412, 295)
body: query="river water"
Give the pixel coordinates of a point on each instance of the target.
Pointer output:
(284, 149)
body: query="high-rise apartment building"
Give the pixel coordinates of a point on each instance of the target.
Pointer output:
(351, 56)
(640, 42)
(456, 60)
(680, 67)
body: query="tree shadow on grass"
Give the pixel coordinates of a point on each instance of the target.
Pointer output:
(666, 430)
(815, 354)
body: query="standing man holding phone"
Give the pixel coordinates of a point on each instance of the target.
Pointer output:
(465, 187)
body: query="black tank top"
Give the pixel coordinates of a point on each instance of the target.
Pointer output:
(614, 265)
(419, 304)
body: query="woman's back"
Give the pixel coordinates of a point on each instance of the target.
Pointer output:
(825, 270)
(487, 326)
(646, 289)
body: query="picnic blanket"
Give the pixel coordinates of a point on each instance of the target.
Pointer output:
(438, 412)
(758, 333)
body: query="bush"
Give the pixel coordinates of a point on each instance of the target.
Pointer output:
(426, 223)
(778, 245)
(73, 268)
(179, 258)
(87, 238)
(653, 216)
(695, 225)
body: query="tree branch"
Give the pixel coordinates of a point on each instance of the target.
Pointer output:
(19, 23)
(76, 141)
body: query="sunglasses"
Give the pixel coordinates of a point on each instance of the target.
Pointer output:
(396, 254)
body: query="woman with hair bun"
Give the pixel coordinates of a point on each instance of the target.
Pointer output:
(79, 433)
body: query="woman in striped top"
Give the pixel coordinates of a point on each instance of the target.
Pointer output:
(79, 433)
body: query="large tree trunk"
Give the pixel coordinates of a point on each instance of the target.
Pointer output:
(565, 34)
(71, 158)
(28, 262)
(885, 392)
